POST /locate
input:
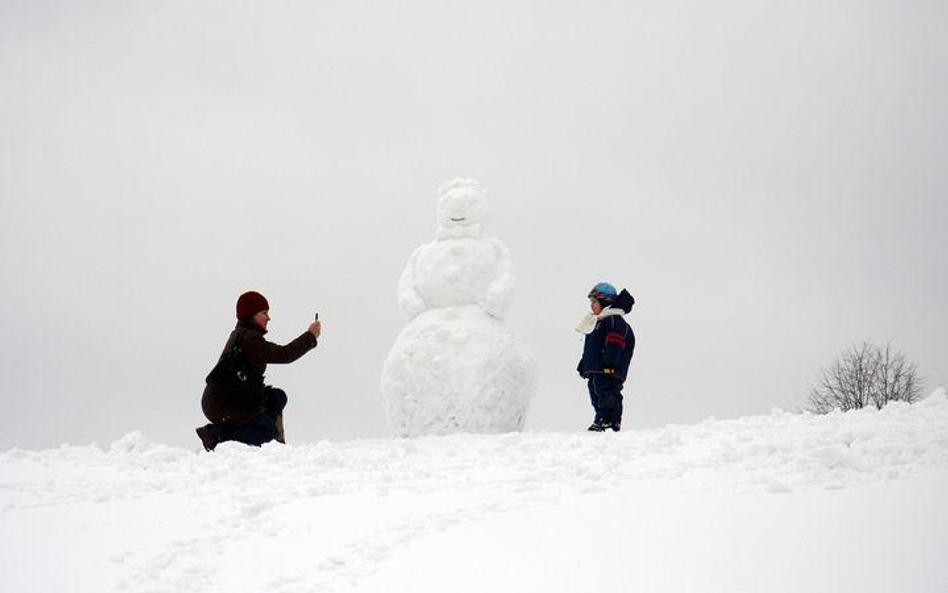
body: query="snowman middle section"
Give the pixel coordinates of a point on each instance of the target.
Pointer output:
(455, 272)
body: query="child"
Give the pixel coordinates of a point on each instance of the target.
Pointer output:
(606, 353)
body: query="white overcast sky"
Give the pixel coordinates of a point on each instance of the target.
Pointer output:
(767, 177)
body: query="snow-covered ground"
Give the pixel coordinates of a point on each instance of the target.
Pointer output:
(783, 502)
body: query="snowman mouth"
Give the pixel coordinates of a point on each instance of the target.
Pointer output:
(462, 219)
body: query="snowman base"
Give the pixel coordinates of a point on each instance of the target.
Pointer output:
(457, 369)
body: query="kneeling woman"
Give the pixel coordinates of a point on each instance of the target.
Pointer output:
(261, 420)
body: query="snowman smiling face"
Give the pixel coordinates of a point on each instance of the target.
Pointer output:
(461, 212)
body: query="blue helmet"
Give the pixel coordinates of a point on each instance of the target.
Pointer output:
(603, 292)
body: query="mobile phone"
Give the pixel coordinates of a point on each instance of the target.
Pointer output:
(317, 316)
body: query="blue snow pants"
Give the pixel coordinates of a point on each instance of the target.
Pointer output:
(261, 429)
(605, 393)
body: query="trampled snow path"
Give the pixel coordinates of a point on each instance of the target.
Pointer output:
(140, 516)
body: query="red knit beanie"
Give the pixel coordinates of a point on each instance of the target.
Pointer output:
(251, 303)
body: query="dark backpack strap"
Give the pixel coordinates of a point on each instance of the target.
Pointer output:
(235, 347)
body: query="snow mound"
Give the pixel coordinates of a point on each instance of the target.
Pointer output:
(328, 516)
(133, 442)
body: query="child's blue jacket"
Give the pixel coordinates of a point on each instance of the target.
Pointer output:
(609, 346)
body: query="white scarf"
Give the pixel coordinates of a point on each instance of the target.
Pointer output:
(588, 323)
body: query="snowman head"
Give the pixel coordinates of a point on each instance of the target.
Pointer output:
(462, 209)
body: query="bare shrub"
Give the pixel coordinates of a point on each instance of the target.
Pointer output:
(865, 375)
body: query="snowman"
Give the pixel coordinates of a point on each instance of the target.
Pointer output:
(456, 367)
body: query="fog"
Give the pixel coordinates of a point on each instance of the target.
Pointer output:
(767, 179)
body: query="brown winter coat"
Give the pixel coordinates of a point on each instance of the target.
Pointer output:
(257, 351)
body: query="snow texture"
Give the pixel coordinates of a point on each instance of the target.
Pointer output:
(456, 367)
(784, 502)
